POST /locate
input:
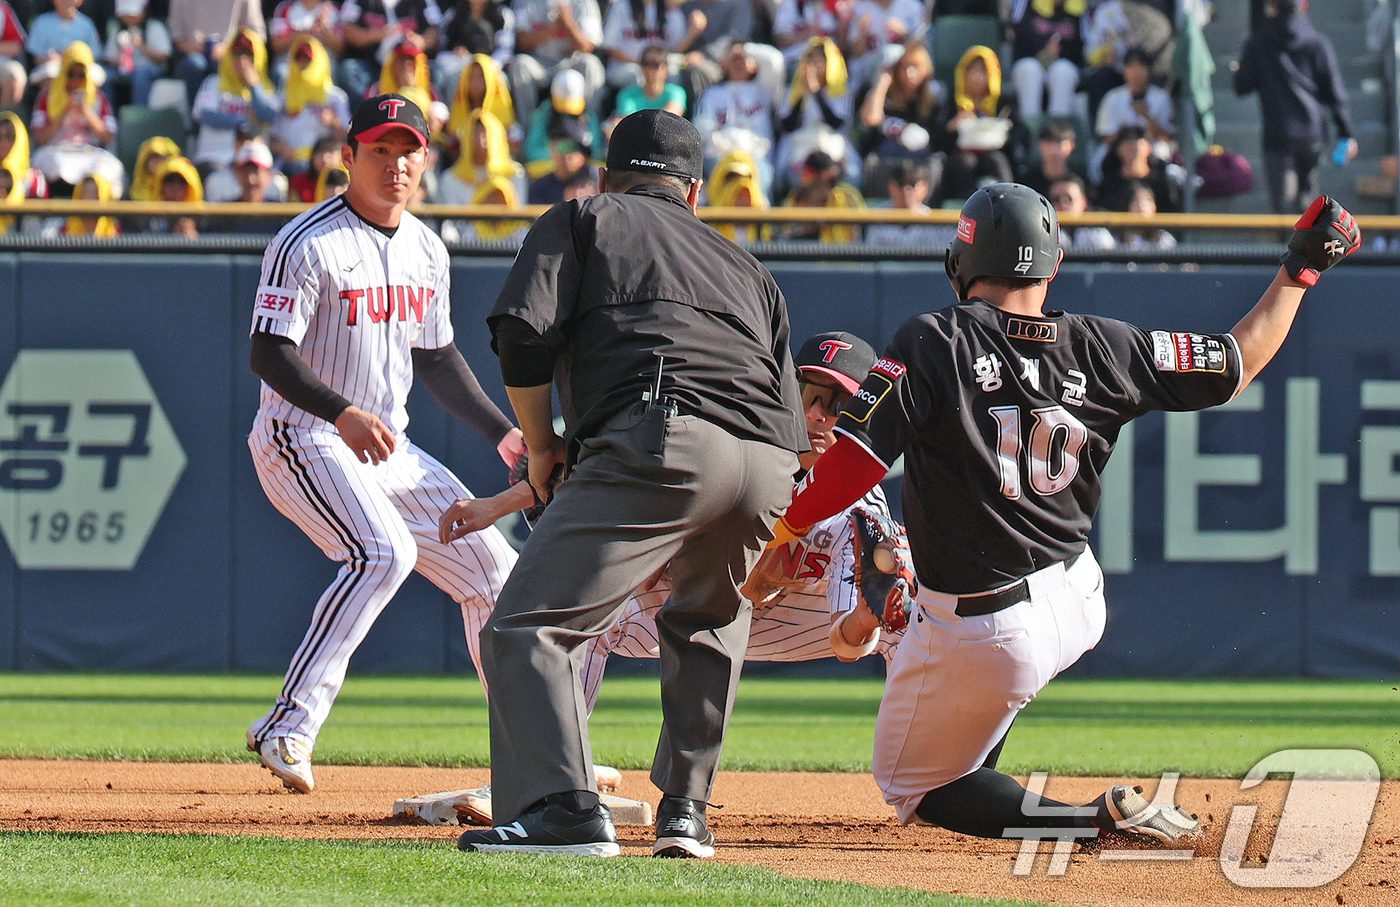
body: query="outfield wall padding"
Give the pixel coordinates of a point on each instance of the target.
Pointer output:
(1259, 539)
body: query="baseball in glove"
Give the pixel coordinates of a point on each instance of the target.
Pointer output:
(1322, 237)
(884, 570)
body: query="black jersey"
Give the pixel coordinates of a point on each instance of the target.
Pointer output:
(1006, 423)
(611, 281)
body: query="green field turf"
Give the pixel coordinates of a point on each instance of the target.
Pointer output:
(43, 869)
(1131, 728)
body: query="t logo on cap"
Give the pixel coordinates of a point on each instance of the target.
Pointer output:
(377, 115)
(832, 347)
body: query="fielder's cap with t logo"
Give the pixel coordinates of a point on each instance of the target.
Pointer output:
(656, 141)
(839, 355)
(377, 115)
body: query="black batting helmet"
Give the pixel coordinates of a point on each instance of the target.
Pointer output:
(1004, 230)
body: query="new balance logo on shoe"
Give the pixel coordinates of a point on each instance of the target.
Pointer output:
(514, 828)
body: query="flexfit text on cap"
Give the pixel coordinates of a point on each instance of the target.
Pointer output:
(377, 115)
(838, 354)
(656, 141)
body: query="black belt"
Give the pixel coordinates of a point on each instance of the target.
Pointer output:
(1000, 600)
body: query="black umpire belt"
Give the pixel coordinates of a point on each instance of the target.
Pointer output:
(1000, 600)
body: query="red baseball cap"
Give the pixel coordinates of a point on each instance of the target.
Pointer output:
(377, 115)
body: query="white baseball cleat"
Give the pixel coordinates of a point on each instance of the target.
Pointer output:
(1134, 814)
(290, 760)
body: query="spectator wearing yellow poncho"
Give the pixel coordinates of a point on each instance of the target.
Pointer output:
(93, 187)
(12, 193)
(816, 114)
(238, 96)
(178, 183)
(822, 187)
(485, 155)
(734, 184)
(152, 153)
(482, 86)
(406, 72)
(496, 190)
(73, 124)
(312, 107)
(333, 181)
(14, 157)
(979, 131)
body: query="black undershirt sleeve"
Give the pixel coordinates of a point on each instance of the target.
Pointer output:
(449, 379)
(527, 359)
(275, 360)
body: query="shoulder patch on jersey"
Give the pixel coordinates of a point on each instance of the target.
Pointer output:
(889, 368)
(1186, 352)
(1039, 331)
(276, 303)
(877, 386)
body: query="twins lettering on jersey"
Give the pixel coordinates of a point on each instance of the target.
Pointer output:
(800, 562)
(380, 303)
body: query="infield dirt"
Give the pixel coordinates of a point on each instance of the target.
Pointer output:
(827, 826)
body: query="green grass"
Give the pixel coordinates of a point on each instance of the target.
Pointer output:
(1131, 728)
(1213, 729)
(50, 869)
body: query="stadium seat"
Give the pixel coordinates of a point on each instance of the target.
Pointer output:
(136, 124)
(953, 35)
(170, 93)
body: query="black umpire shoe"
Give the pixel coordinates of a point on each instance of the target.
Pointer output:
(681, 830)
(550, 827)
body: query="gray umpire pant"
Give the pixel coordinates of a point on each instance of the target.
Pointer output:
(705, 505)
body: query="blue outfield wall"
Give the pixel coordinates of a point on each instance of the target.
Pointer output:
(1261, 538)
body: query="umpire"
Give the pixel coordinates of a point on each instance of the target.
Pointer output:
(669, 347)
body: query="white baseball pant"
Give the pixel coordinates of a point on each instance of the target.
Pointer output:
(956, 683)
(380, 522)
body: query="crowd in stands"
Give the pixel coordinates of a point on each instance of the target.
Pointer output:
(834, 104)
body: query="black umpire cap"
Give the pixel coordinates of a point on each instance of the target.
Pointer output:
(656, 141)
(377, 115)
(837, 354)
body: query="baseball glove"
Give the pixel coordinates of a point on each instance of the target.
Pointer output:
(520, 472)
(1323, 236)
(884, 571)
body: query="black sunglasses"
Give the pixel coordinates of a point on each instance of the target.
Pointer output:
(830, 398)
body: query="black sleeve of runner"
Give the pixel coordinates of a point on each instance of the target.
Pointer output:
(275, 360)
(527, 359)
(449, 379)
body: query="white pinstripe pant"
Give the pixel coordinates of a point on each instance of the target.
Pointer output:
(380, 522)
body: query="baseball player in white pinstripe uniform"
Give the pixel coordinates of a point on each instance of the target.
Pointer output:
(802, 592)
(353, 303)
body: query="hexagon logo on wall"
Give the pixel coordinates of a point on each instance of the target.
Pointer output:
(87, 459)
